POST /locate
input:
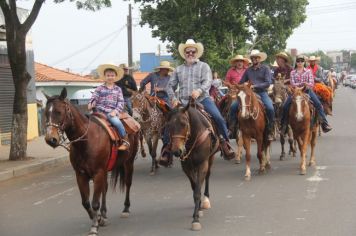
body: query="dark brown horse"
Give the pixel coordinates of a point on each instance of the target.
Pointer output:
(304, 128)
(89, 152)
(194, 141)
(151, 120)
(224, 107)
(252, 120)
(279, 96)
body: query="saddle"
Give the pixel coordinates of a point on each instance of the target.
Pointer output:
(130, 124)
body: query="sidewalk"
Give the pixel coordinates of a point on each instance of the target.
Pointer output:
(41, 156)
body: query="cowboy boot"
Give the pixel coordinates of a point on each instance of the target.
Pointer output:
(125, 144)
(326, 127)
(270, 132)
(164, 158)
(228, 152)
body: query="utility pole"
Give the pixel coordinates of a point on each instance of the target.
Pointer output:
(159, 54)
(129, 39)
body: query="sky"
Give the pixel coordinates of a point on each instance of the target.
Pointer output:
(78, 40)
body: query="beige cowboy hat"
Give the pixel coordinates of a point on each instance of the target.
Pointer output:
(284, 56)
(314, 58)
(191, 43)
(124, 66)
(257, 53)
(238, 58)
(164, 65)
(274, 64)
(101, 68)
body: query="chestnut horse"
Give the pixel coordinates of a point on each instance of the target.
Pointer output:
(304, 128)
(194, 141)
(89, 151)
(279, 96)
(224, 107)
(252, 120)
(151, 120)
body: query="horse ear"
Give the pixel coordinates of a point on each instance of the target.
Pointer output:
(47, 97)
(249, 84)
(63, 94)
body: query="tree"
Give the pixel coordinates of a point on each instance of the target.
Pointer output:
(223, 26)
(16, 32)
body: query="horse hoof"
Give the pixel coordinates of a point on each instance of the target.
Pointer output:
(200, 213)
(196, 226)
(261, 171)
(152, 173)
(237, 161)
(282, 157)
(93, 231)
(206, 203)
(303, 172)
(247, 177)
(103, 221)
(125, 214)
(312, 163)
(268, 166)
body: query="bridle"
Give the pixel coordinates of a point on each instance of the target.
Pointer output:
(255, 112)
(60, 127)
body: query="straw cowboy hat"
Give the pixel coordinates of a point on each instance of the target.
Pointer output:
(239, 58)
(274, 64)
(164, 65)
(314, 58)
(124, 66)
(119, 71)
(284, 56)
(257, 53)
(191, 43)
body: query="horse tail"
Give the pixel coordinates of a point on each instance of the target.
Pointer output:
(118, 172)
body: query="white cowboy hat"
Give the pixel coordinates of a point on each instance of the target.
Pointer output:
(284, 56)
(257, 53)
(238, 58)
(164, 65)
(274, 64)
(191, 43)
(101, 68)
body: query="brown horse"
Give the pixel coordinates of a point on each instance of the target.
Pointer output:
(194, 141)
(224, 107)
(151, 120)
(252, 120)
(304, 128)
(331, 84)
(279, 96)
(89, 152)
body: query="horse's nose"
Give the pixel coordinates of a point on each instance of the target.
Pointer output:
(52, 141)
(177, 153)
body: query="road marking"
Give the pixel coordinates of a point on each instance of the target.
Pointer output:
(53, 196)
(314, 182)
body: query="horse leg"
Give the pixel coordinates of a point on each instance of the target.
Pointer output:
(206, 202)
(282, 141)
(156, 138)
(292, 143)
(128, 165)
(103, 219)
(153, 159)
(83, 185)
(303, 144)
(266, 148)
(312, 161)
(260, 155)
(247, 146)
(143, 152)
(99, 187)
(239, 143)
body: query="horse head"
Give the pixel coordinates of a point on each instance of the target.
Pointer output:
(139, 104)
(179, 129)
(245, 96)
(58, 118)
(279, 90)
(299, 101)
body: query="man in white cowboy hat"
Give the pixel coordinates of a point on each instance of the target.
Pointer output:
(260, 77)
(317, 70)
(194, 78)
(233, 77)
(108, 99)
(159, 81)
(283, 67)
(127, 84)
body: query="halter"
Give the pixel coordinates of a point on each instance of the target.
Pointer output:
(60, 128)
(255, 111)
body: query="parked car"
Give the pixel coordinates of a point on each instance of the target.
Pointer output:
(347, 80)
(353, 82)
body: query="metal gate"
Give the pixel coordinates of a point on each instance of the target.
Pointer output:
(7, 92)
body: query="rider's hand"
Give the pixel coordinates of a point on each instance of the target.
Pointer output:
(91, 106)
(175, 103)
(113, 113)
(195, 94)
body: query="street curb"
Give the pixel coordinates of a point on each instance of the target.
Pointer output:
(41, 165)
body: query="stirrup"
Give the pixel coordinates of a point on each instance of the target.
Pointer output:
(125, 145)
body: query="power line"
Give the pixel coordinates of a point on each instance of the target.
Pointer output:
(88, 46)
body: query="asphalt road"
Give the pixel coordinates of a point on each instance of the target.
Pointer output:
(281, 202)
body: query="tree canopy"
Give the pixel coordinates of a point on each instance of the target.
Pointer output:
(225, 27)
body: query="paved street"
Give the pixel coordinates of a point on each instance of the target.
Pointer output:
(280, 202)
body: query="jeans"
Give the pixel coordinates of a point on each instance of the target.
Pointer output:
(115, 121)
(267, 102)
(128, 105)
(210, 107)
(165, 137)
(313, 98)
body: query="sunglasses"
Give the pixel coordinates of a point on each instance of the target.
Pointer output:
(300, 61)
(190, 52)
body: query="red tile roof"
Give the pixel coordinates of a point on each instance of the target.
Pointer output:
(44, 73)
(139, 76)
